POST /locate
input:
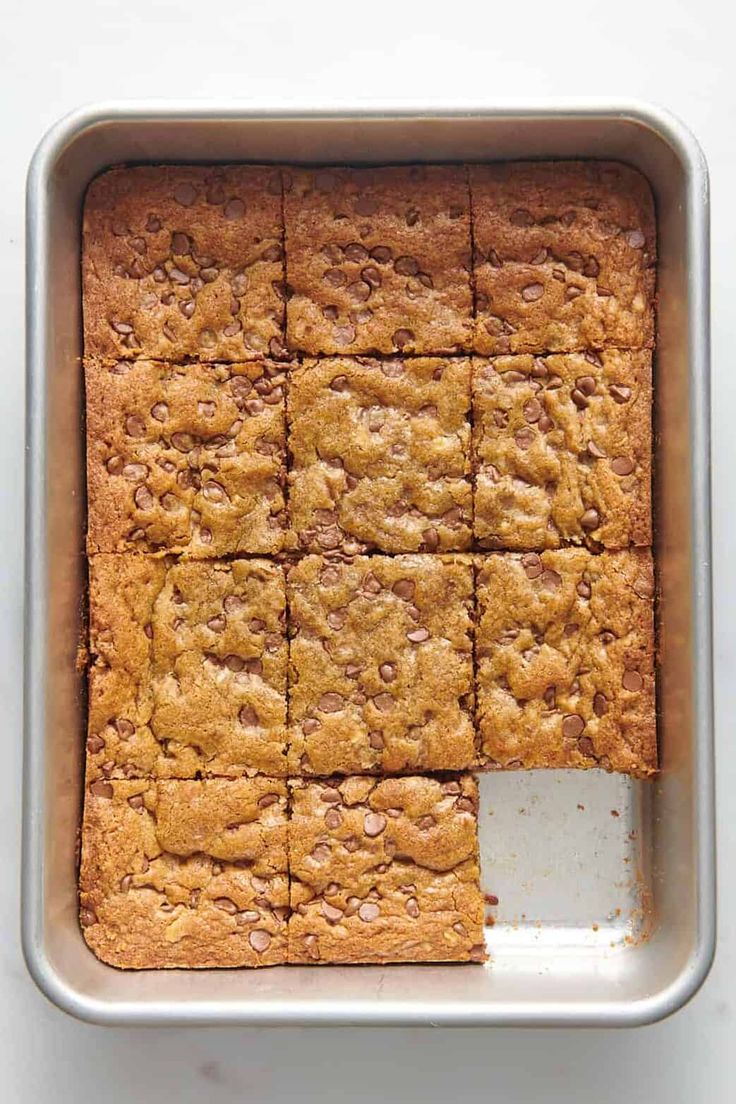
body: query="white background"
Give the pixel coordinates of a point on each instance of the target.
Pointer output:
(57, 55)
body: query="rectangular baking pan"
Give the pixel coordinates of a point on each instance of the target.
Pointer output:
(606, 912)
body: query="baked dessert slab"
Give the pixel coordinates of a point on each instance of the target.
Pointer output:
(188, 672)
(381, 665)
(379, 454)
(184, 261)
(185, 873)
(563, 450)
(565, 654)
(185, 458)
(564, 257)
(385, 871)
(378, 259)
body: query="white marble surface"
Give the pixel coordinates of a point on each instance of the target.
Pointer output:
(55, 56)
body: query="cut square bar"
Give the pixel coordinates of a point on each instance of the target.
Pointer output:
(381, 670)
(564, 256)
(184, 262)
(189, 874)
(188, 671)
(563, 450)
(385, 871)
(185, 458)
(378, 259)
(380, 454)
(565, 651)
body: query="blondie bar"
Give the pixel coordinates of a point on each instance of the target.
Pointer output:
(381, 671)
(565, 650)
(185, 458)
(563, 450)
(385, 871)
(184, 261)
(188, 671)
(380, 454)
(378, 259)
(564, 256)
(185, 873)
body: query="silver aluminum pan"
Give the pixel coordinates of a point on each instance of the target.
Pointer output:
(603, 920)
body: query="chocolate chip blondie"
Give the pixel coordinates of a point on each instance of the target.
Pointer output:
(563, 450)
(381, 665)
(380, 454)
(369, 507)
(565, 649)
(564, 257)
(188, 671)
(185, 873)
(184, 262)
(185, 458)
(385, 871)
(378, 260)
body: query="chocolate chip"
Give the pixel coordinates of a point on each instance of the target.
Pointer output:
(622, 465)
(417, 636)
(583, 589)
(387, 671)
(532, 564)
(356, 252)
(87, 917)
(532, 292)
(248, 716)
(600, 704)
(404, 588)
(430, 540)
(259, 940)
(402, 337)
(185, 194)
(369, 911)
(619, 392)
(590, 519)
(234, 209)
(572, 725)
(374, 824)
(100, 788)
(331, 703)
(586, 747)
(632, 680)
(635, 239)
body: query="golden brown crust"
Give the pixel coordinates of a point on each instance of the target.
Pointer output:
(185, 873)
(565, 650)
(563, 450)
(185, 458)
(378, 259)
(565, 256)
(380, 454)
(381, 675)
(184, 261)
(189, 668)
(385, 871)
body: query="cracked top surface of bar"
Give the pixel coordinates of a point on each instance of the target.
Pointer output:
(565, 256)
(380, 454)
(188, 459)
(565, 652)
(189, 668)
(385, 871)
(185, 873)
(563, 448)
(378, 260)
(381, 665)
(184, 261)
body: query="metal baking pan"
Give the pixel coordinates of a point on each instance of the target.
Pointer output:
(605, 886)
